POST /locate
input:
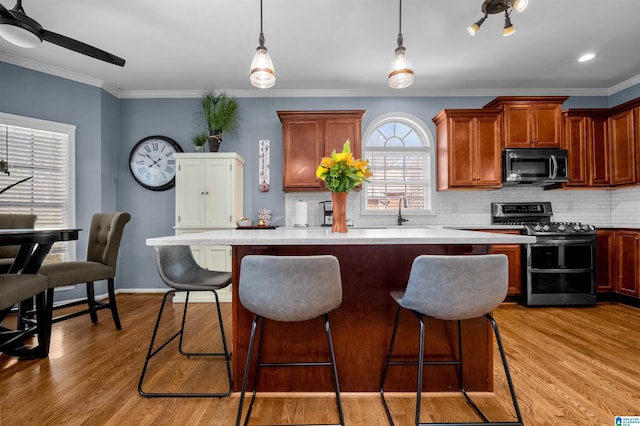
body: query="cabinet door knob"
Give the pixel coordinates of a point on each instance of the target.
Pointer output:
(202, 193)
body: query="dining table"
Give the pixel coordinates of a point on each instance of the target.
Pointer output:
(35, 245)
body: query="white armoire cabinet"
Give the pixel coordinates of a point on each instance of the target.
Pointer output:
(208, 196)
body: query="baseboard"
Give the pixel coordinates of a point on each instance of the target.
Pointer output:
(200, 297)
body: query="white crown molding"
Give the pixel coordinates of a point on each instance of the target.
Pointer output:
(308, 93)
(48, 69)
(624, 85)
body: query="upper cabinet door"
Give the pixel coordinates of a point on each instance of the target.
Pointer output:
(622, 136)
(303, 146)
(547, 125)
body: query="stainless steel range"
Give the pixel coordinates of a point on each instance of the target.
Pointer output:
(560, 266)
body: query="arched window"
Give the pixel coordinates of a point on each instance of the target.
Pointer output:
(399, 149)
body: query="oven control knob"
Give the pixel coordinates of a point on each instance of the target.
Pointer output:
(546, 228)
(537, 228)
(561, 227)
(585, 227)
(576, 227)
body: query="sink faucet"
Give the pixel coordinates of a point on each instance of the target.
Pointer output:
(400, 218)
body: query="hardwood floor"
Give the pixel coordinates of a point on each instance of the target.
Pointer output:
(571, 366)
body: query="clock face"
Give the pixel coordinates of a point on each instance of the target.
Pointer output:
(152, 164)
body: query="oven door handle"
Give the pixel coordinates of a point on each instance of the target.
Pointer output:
(554, 167)
(553, 242)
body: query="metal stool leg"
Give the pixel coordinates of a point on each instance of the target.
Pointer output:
(334, 368)
(246, 373)
(152, 352)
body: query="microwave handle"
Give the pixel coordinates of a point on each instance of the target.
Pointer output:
(554, 167)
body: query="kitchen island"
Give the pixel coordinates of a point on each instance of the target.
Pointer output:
(373, 262)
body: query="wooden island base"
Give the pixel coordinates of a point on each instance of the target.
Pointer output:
(361, 327)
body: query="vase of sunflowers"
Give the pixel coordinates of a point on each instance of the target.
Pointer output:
(342, 173)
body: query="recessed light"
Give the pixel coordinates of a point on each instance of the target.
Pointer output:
(586, 57)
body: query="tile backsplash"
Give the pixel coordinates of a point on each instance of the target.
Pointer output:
(599, 207)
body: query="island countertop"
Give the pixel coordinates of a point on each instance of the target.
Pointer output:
(355, 236)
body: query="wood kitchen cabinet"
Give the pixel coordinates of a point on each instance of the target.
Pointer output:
(606, 256)
(530, 121)
(587, 141)
(468, 148)
(514, 254)
(628, 262)
(307, 136)
(622, 134)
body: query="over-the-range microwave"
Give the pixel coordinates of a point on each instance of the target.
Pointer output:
(534, 166)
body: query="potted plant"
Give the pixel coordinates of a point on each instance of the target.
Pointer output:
(199, 140)
(220, 115)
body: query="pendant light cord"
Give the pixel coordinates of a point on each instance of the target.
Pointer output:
(400, 40)
(261, 36)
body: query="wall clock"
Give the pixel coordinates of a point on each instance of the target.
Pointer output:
(152, 164)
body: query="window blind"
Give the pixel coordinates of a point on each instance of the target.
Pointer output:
(43, 156)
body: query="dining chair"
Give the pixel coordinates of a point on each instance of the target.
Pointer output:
(14, 288)
(288, 289)
(451, 288)
(179, 270)
(13, 221)
(105, 235)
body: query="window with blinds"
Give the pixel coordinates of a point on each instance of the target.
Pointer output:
(39, 159)
(399, 155)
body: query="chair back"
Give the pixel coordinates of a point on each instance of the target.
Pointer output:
(15, 221)
(176, 265)
(290, 288)
(105, 234)
(456, 287)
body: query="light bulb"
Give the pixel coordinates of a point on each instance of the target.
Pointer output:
(520, 5)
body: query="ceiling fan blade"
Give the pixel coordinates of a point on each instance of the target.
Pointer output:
(81, 47)
(5, 12)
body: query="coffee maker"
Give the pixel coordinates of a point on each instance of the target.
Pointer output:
(326, 213)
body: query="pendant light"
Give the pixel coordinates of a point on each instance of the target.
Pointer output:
(262, 74)
(401, 73)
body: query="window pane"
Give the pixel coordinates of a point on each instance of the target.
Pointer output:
(399, 158)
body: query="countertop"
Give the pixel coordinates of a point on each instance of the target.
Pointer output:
(355, 236)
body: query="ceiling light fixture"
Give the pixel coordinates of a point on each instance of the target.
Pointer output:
(586, 57)
(262, 74)
(19, 29)
(401, 73)
(491, 7)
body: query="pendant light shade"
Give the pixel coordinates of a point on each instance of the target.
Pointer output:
(262, 74)
(508, 26)
(401, 71)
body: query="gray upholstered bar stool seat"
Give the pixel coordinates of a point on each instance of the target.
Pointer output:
(452, 288)
(288, 288)
(14, 289)
(179, 270)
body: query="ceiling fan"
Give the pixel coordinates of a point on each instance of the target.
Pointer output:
(19, 29)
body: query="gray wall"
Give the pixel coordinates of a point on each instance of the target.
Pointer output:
(107, 129)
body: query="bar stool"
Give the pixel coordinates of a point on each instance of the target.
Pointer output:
(179, 270)
(288, 288)
(452, 288)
